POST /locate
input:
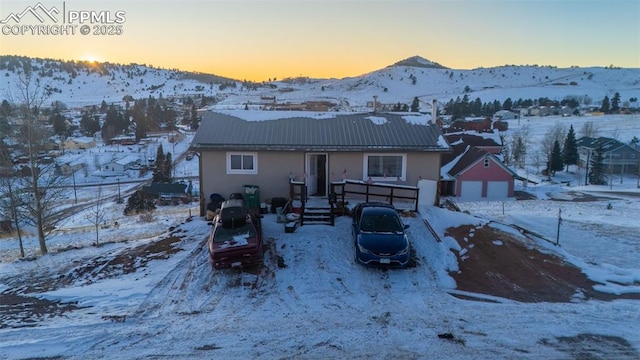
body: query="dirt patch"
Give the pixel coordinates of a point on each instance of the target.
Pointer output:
(593, 346)
(18, 311)
(496, 263)
(20, 307)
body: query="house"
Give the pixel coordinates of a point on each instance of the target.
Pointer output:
(78, 143)
(316, 149)
(459, 142)
(69, 168)
(505, 115)
(619, 158)
(474, 172)
(168, 193)
(112, 168)
(478, 125)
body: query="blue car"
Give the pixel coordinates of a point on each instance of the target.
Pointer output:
(379, 236)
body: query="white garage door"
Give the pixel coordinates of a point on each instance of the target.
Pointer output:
(471, 191)
(497, 189)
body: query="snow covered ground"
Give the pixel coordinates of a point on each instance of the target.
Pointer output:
(150, 292)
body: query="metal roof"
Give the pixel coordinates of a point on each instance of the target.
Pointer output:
(607, 144)
(350, 132)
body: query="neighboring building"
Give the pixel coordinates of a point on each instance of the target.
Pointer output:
(619, 158)
(459, 142)
(112, 168)
(473, 171)
(78, 143)
(478, 125)
(71, 167)
(318, 150)
(167, 193)
(129, 139)
(505, 115)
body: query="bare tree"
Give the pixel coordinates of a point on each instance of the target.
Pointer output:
(589, 129)
(45, 185)
(12, 205)
(556, 133)
(96, 214)
(519, 143)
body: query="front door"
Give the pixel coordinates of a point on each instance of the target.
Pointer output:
(316, 170)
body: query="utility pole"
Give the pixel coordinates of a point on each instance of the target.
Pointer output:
(559, 222)
(119, 201)
(586, 170)
(610, 172)
(75, 194)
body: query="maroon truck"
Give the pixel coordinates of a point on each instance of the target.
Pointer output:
(236, 238)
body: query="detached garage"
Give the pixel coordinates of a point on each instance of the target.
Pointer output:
(477, 175)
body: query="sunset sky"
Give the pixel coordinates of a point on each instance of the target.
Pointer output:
(258, 40)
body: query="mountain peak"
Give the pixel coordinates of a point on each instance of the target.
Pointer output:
(418, 61)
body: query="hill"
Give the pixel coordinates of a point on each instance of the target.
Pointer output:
(87, 83)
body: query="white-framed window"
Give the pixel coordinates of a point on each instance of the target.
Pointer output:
(385, 167)
(242, 163)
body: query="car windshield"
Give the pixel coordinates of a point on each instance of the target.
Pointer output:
(223, 234)
(381, 223)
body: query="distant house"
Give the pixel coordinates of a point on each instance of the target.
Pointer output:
(112, 168)
(167, 193)
(619, 158)
(129, 139)
(69, 168)
(474, 172)
(540, 110)
(460, 141)
(505, 115)
(378, 147)
(78, 143)
(478, 125)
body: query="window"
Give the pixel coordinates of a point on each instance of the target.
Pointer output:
(242, 163)
(385, 167)
(486, 162)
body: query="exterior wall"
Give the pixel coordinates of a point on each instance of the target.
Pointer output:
(623, 160)
(478, 172)
(275, 167)
(272, 178)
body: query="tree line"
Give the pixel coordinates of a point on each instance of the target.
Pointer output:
(463, 107)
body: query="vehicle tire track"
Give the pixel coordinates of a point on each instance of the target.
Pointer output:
(176, 292)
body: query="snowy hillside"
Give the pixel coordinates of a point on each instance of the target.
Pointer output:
(89, 83)
(401, 82)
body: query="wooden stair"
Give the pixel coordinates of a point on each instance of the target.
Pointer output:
(317, 216)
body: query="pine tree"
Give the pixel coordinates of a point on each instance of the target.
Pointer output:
(158, 173)
(167, 169)
(570, 150)
(195, 121)
(519, 151)
(138, 203)
(596, 174)
(508, 104)
(615, 103)
(606, 107)
(556, 158)
(59, 123)
(415, 105)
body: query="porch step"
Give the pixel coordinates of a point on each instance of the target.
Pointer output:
(317, 216)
